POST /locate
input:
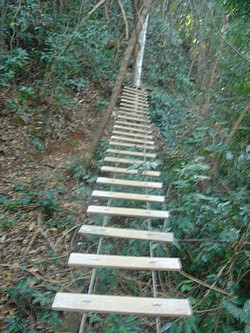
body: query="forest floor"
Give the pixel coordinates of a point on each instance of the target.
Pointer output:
(43, 204)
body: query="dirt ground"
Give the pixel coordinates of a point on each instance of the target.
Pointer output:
(43, 198)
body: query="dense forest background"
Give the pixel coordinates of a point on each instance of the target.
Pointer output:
(58, 62)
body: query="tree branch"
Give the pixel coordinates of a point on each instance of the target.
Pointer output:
(124, 19)
(205, 284)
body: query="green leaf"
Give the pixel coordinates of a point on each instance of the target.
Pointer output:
(229, 156)
(166, 327)
(245, 316)
(234, 310)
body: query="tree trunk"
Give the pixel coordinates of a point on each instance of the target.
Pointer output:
(118, 84)
(215, 63)
(230, 136)
(140, 55)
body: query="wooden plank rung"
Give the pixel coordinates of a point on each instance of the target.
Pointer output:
(131, 153)
(133, 129)
(133, 98)
(130, 171)
(132, 145)
(135, 91)
(123, 122)
(141, 120)
(125, 182)
(154, 236)
(123, 138)
(128, 196)
(124, 262)
(133, 95)
(134, 102)
(122, 211)
(127, 161)
(133, 114)
(132, 109)
(158, 307)
(138, 135)
(135, 107)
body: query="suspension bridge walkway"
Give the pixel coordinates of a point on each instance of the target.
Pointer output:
(130, 179)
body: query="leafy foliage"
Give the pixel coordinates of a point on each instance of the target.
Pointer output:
(50, 53)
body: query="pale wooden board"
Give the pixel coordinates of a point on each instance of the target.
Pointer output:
(122, 138)
(133, 98)
(141, 120)
(125, 182)
(155, 236)
(159, 307)
(137, 135)
(127, 171)
(128, 196)
(131, 153)
(135, 91)
(132, 129)
(133, 94)
(133, 114)
(123, 122)
(123, 144)
(123, 160)
(124, 262)
(135, 107)
(132, 109)
(129, 114)
(139, 95)
(133, 212)
(134, 102)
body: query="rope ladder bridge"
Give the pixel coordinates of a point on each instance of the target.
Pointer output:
(130, 163)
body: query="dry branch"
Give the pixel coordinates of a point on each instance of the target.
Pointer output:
(205, 284)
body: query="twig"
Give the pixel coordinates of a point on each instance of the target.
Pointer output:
(201, 240)
(209, 310)
(31, 242)
(205, 284)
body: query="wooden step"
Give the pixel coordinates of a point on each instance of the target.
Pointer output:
(123, 138)
(123, 122)
(134, 98)
(132, 171)
(142, 120)
(134, 102)
(133, 129)
(135, 91)
(123, 160)
(125, 182)
(133, 94)
(132, 145)
(124, 262)
(131, 153)
(135, 107)
(154, 236)
(128, 196)
(158, 307)
(138, 135)
(132, 109)
(133, 114)
(122, 211)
